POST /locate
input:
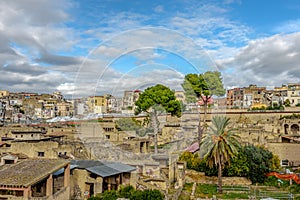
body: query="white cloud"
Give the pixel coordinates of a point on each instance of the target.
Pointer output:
(159, 9)
(66, 88)
(266, 61)
(36, 44)
(30, 37)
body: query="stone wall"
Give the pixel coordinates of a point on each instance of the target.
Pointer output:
(32, 149)
(199, 177)
(78, 178)
(287, 151)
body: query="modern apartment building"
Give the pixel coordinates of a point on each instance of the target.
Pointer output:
(246, 97)
(97, 104)
(129, 98)
(293, 94)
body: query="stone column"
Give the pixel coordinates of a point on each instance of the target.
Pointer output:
(145, 147)
(133, 178)
(49, 186)
(98, 186)
(67, 176)
(27, 192)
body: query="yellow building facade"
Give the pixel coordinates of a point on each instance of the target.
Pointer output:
(97, 104)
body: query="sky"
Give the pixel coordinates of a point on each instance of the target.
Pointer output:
(95, 47)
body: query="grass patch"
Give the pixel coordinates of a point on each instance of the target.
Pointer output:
(232, 195)
(184, 196)
(237, 192)
(274, 194)
(206, 189)
(186, 191)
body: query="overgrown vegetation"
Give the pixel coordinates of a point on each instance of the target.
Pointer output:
(251, 161)
(210, 190)
(272, 188)
(130, 193)
(275, 106)
(258, 108)
(287, 103)
(292, 116)
(131, 124)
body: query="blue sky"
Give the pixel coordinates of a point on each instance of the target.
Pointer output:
(107, 46)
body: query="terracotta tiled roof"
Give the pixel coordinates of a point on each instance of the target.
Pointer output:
(193, 148)
(29, 171)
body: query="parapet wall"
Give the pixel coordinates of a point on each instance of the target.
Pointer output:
(199, 177)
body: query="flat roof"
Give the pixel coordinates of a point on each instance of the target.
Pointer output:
(103, 168)
(29, 172)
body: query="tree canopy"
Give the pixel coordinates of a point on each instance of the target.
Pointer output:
(200, 86)
(260, 162)
(128, 124)
(156, 97)
(203, 87)
(253, 162)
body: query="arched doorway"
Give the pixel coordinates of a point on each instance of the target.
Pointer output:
(294, 128)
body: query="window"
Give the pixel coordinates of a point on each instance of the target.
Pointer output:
(284, 162)
(8, 162)
(41, 154)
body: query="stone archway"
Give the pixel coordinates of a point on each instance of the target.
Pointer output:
(295, 128)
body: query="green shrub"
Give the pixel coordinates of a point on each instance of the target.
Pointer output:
(106, 195)
(126, 192)
(130, 193)
(251, 161)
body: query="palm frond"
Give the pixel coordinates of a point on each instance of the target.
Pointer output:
(221, 143)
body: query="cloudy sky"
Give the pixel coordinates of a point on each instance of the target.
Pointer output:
(87, 47)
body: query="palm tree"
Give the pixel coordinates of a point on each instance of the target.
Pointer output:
(221, 144)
